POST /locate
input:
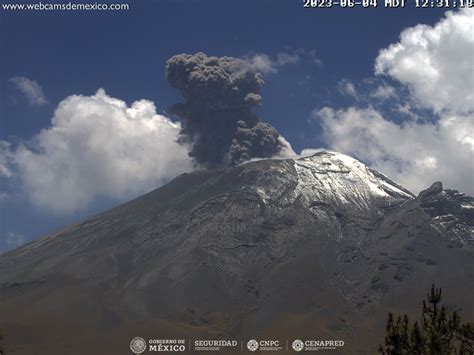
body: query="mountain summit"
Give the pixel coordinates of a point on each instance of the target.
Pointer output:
(320, 247)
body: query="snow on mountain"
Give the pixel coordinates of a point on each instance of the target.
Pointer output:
(345, 179)
(334, 179)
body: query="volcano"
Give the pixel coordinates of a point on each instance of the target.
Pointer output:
(320, 247)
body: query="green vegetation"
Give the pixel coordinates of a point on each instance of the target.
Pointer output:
(439, 332)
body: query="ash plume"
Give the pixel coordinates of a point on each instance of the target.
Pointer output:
(219, 94)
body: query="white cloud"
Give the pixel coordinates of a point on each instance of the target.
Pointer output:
(384, 92)
(287, 58)
(269, 65)
(367, 90)
(414, 154)
(5, 169)
(406, 109)
(99, 146)
(263, 63)
(436, 62)
(31, 89)
(347, 87)
(14, 240)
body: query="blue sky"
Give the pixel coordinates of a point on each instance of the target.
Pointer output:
(76, 53)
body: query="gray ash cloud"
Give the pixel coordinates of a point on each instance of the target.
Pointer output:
(219, 95)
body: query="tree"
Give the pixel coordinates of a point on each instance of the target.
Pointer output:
(2, 351)
(439, 332)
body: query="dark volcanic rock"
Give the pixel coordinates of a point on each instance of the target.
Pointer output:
(320, 247)
(451, 212)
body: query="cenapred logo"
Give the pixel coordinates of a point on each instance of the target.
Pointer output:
(316, 345)
(138, 345)
(252, 345)
(297, 345)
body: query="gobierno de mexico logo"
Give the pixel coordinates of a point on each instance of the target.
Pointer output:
(138, 345)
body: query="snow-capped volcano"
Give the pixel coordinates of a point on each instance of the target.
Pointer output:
(328, 178)
(345, 181)
(319, 247)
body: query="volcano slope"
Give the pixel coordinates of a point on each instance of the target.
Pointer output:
(320, 247)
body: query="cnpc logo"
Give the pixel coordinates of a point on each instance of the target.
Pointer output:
(264, 345)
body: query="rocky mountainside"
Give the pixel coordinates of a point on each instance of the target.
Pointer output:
(318, 247)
